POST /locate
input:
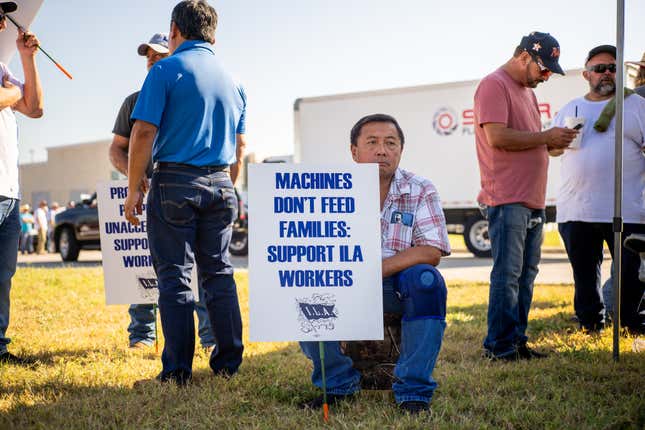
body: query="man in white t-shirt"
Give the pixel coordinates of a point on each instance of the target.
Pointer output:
(42, 225)
(585, 206)
(27, 99)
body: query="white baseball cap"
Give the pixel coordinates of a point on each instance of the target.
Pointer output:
(158, 42)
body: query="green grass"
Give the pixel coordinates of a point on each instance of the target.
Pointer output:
(86, 373)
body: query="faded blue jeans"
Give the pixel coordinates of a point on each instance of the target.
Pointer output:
(142, 323)
(190, 216)
(516, 237)
(420, 344)
(9, 238)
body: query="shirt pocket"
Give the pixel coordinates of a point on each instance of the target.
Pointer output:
(399, 237)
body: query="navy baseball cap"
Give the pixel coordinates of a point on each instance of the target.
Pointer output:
(8, 6)
(606, 49)
(158, 42)
(545, 47)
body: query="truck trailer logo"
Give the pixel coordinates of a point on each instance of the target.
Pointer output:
(317, 313)
(445, 121)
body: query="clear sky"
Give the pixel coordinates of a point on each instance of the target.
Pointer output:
(285, 49)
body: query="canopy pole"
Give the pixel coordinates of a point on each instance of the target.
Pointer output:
(618, 171)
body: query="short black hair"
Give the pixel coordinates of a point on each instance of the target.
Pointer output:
(375, 117)
(196, 20)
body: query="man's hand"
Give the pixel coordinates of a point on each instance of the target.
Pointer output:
(27, 43)
(145, 185)
(559, 137)
(133, 206)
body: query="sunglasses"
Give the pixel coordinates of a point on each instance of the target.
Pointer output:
(543, 70)
(602, 68)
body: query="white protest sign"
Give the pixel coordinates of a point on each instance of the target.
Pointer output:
(127, 265)
(27, 10)
(314, 252)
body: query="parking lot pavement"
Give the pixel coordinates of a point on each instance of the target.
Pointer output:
(85, 258)
(554, 267)
(88, 258)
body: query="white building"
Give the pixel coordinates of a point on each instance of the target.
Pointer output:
(69, 171)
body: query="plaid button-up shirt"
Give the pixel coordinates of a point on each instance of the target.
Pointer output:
(412, 216)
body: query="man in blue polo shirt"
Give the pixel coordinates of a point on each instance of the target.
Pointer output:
(190, 116)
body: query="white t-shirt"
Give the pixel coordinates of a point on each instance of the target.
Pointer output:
(587, 174)
(8, 144)
(41, 219)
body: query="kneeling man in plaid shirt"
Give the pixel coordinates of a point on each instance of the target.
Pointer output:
(413, 240)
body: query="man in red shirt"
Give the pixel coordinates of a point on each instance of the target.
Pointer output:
(513, 159)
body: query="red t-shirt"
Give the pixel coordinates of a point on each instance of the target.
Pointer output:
(509, 176)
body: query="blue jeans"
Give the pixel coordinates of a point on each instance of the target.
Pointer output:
(516, 237)
(142, 323)
(9, 238)
(26, 243)
(420, 345)
(190, 215)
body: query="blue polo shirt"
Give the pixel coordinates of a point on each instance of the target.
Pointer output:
(197, 107)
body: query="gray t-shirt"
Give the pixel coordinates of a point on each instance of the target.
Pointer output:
(123, 124)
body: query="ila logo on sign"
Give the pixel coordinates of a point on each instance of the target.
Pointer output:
(317, 313)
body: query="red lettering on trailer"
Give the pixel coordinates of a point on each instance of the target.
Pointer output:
(468, 117)
(545, 109)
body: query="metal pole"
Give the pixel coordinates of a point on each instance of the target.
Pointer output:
(154, 308)
(321, 349)
(618, 171)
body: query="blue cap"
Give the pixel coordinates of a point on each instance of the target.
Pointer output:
(544, 46)
(158, 42)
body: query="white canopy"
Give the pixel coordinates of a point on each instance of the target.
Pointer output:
(27, 10)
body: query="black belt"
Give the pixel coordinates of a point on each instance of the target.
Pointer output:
(216, 168)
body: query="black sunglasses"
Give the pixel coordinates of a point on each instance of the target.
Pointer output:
(602, 68)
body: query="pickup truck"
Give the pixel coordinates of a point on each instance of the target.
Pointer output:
(78, 228)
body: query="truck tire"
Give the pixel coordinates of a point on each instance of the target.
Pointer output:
(239, 244)
(68, 245)
(476, 237)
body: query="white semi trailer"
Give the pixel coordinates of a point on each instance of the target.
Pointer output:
(439, 139)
